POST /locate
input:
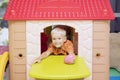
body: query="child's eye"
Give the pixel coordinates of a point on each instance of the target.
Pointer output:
(53, 38)
(59, 38)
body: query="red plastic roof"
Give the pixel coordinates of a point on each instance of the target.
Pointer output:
(59, 9)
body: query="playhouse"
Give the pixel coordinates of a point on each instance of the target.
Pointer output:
(30, 22)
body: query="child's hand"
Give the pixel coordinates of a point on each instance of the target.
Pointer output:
(43, 55)
(37, 60)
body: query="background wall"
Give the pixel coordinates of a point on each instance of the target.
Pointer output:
(115, 24)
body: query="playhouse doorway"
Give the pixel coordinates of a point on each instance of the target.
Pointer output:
(70, 32)
(35, 30)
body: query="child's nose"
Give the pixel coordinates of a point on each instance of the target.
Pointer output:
(57, 40)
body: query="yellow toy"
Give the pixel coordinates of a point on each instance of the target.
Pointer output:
(3, 62)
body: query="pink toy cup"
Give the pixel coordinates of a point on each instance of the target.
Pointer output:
(69, 59)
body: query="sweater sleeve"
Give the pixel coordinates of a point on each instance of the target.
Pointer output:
(50, 48)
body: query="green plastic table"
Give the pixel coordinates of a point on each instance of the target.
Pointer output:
(53, 67)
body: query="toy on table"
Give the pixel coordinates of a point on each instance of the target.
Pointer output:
(69, 59)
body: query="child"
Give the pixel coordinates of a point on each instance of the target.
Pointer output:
(59, 45)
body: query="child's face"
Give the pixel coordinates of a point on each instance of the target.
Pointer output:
(58, 40)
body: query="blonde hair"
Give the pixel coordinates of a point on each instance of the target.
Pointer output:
(58, 31)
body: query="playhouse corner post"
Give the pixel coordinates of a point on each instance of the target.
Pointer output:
(17, 50)
(101, 29)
